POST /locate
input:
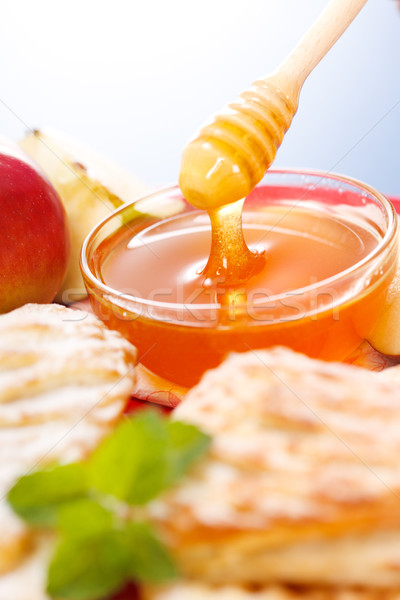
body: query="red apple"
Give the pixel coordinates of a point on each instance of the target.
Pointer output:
(34, 236)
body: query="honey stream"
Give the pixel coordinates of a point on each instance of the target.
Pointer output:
(231, 263)
(231, 153)
(221, 166)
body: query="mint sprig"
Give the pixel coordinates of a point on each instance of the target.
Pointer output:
(38, 497)
(132, 463)
(98, 552)
(101, 545)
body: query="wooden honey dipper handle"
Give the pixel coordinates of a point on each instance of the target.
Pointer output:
(230, 155)
(318, 40)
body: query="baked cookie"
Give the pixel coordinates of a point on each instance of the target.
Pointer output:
(64, 381)
(28, 580)
(302, 482)
(200, 591)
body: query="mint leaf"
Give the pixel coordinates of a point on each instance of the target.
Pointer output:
(149, 560)
(143, 456)
(100, 546)
(131, 464)
(186, 443)
(37, 497)
(99, 552)
(84, 518)
(92, 559)
(88, 568)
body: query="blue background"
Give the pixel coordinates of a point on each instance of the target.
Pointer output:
(135, 79)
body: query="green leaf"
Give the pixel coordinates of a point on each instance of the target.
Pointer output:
(186, 443)
(98, 550)
(84, 518)
(98, 553)
(38, 497)
(92, 558)
(149, 560)
(131, 463)
(88, 568)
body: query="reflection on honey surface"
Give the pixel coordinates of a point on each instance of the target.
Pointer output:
(183, 327)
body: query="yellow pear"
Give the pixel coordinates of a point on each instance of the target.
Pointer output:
(385, 336)
(90, 188)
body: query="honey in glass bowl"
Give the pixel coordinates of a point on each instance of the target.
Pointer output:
(330, 253)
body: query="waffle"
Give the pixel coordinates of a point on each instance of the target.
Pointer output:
(200, 591)
(64, 381)
(302, 482)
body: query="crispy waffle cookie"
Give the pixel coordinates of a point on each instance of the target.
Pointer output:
(64, 381)
(302, 482)
(199, 591)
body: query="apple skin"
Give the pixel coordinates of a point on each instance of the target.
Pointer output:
(34, 236)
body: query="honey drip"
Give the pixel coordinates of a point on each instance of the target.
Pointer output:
(230, 263)
(230, 155)
(222, 165)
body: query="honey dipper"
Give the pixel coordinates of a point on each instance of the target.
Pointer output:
(230, 155)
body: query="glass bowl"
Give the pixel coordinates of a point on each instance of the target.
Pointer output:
(179, 335)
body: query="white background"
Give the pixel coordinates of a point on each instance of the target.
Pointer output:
(135, 79)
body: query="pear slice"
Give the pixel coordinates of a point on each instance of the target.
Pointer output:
(385, 336)
(90, 188)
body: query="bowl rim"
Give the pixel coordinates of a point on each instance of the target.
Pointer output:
(390, 214)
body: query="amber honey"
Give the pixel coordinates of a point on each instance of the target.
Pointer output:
(318, 291)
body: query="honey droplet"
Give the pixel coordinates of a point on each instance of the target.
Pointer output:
(230, 263)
